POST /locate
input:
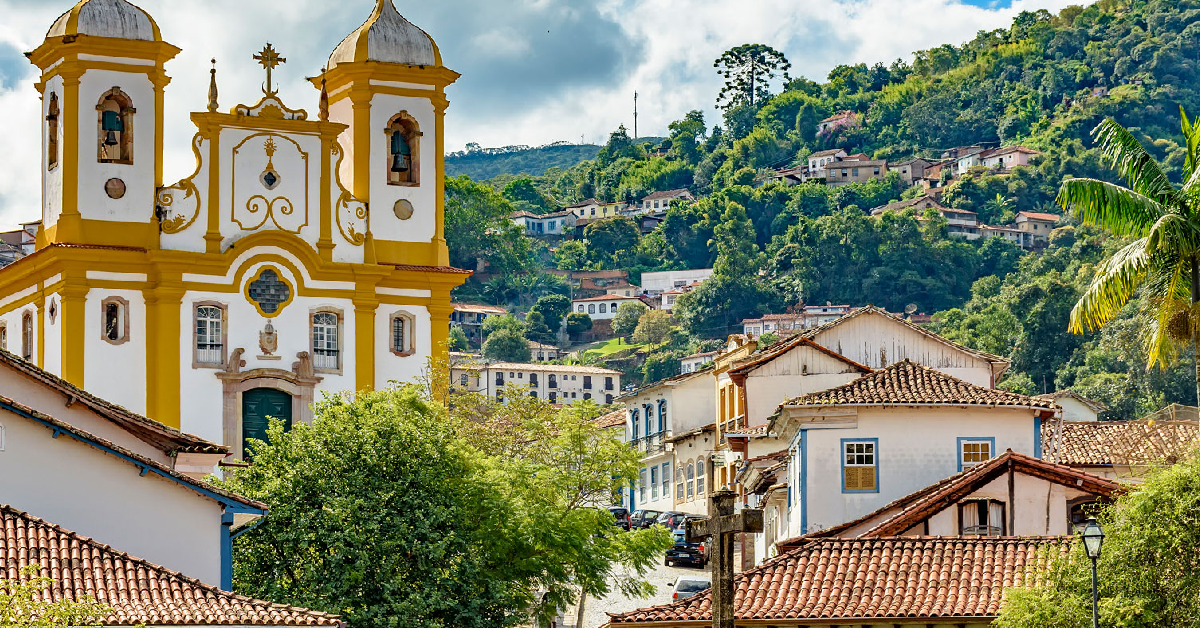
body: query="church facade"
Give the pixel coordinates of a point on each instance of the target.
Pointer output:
(304, 254)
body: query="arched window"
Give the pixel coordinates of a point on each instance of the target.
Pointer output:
(614, 307)
(402, 334)
(52, 113)
(115, 322)
(552, 380)
(662, 415)
(115, 127)
(603, 309)
(700, 477)
(679, 484)
(4, 336)
(691, 484)
(404, 143)
(27, 335)
(209, 339)
(326, 340)
(591, 308)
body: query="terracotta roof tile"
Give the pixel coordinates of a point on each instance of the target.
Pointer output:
(783, 346)
(137, 591)
(1103, 443)
(612, 419)
(836, 580)
(871, 309)
(907, 382)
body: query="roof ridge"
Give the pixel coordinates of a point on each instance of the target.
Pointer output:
(938, 337)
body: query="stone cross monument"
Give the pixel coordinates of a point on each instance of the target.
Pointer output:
(722, 525)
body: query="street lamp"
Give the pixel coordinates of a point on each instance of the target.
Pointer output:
(1093, 540)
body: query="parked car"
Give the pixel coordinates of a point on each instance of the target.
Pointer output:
(643, 519)
(685, 552)
(621, 515)
(671, 520)
(687, 587)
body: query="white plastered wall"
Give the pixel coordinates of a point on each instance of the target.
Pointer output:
(52, 180)
(247, 206)
(390, 367)
(137, 205)
(1041, 507)
(103, 497)
(384, 223)
(115, 372)
(797, 372)
(917, 447)
(191, 238)
(52, 332)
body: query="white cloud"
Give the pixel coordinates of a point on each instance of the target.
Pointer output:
(535, 84)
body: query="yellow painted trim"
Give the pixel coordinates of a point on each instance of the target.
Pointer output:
(40, 332)
(68, 218)
(415, 253)
(364, 343)
(70, 47)
(441, 250)
(283, 278)
(361, 73)
(212, 236)
(361, 166)
(164, 315)
(213, 122)
(440, 310)
(112, 233)
(325, 241)
(438, 96)
(72, 337)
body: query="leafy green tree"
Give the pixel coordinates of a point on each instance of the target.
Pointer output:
(507, 345)
(493, 324)
(734, 291)
(608, 238)
(578, 323)
(410, 510)
(1163, 260)
(536, 329)
(524, 195)
(1147, 564)
(625, 323)
(619, 146)
(478, 226)
(748, 71)
(653, 327)
(553, 307)
(659, 366)
(458, 339)
(571, 255)
(24, 603)
(687, 136)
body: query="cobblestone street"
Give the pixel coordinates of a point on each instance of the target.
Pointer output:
(662, 578)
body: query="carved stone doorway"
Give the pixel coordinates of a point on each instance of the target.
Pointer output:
(299, 383)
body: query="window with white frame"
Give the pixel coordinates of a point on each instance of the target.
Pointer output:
(972, 451)
(4, 336)
(680, 484)
(654, 482)
(402, 335)
(982, 517)
(210, 334)
(859, 466)
(666, 479)
(691, 481)
(115, 312)
(700, 477)
(326, 343)
(27, 335)
(642, 484)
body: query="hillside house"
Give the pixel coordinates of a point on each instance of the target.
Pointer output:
(774, 323)
(470, 317)
(1008, 157)
(592, 283)
(1076, 407)
(556, 383)
(541, 352)
(859, 171)
(661, 201)
(661, 281)
(1120, 450)
(601, 308)
(1038, 224)
(837, 121)
(593, 209)
(556, 224)
(695, 361)
(818, 161)
(911, 170)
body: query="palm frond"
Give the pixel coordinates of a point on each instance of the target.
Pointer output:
(1174, 234)
(1114, 284)
(1120, 210)
(1161, 348)
(1130, 159)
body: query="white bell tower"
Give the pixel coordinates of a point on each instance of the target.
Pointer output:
(102, 87)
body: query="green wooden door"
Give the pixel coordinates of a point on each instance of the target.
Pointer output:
(259, 404)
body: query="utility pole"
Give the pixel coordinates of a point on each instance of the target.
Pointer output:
(635, 115)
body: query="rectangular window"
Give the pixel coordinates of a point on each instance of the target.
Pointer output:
(633, 418)
(608, 383)
(860, 468)
(854, 172)
(553, 397)
(642, 485)
(325, 341)
(679, 484)
(982, 517)
(972, 451)
(654, 482)
(700, 477)
(666, 479)
(210, 335)
(587, 382)
(462, 380)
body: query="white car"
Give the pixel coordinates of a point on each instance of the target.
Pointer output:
(687, 587)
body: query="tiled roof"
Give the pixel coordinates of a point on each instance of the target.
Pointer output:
(607, 297)
(137, 591)
(1103, 443)
(835, 581)
(1070, 394)
(202, 487)
(1039, 216)
(590, 201)
(654, 196)
(906, 383)
(443, 270)
(612, 419)
(168, 439)
(825, 153)
(755, 431)
(552, 368)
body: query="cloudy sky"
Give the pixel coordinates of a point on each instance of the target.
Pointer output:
(534, 71)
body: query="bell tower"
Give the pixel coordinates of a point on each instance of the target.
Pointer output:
(102, 85)
(386, 82)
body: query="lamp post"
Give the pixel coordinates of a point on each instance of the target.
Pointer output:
(1093, 540)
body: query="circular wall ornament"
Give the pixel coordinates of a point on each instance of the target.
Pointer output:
(403, 209)
(115, 188)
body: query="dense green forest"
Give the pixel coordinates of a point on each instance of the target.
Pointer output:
(1045, 82)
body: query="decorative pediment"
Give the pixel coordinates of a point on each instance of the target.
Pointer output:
(270, 108)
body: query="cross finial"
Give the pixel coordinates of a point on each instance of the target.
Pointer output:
(269, 59)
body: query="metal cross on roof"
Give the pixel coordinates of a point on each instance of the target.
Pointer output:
(269, 59)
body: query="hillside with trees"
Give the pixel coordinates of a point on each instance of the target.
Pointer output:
(1045, 83)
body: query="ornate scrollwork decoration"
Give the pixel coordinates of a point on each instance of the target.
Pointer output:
(355, 209)
(176, 219)
(270, 208)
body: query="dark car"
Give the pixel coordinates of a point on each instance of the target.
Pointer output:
(684, 552)
(643, 519)
(671, 520)
(621, 515)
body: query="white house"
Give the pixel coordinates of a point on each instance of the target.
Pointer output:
(856, 447)
(556, 383)
(557, 223)
(665, 280)
(1076, 407)
(661, 201)
(818, 160)
(656, 413)
(695, 361)
(601, 307)
(1008, 157)
(593, 209)
(789, 369)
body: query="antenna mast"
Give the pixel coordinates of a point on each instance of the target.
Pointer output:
(635, 115)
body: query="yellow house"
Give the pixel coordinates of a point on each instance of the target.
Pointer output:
(305, 253)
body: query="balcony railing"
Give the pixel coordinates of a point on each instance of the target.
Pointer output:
(652, 444)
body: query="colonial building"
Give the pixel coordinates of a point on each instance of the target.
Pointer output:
(260, 279)
(556, 383)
